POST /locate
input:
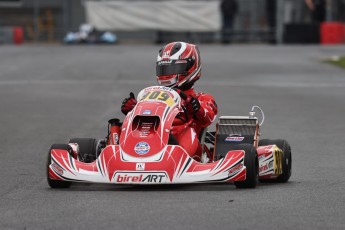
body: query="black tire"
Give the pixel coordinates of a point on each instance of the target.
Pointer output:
(252, 164)
(287, 158)
(57, 183)
(87, 148)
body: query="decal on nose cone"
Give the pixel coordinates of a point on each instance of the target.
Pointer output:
(136, 177)
(142, 148)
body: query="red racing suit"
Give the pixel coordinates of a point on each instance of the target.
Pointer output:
(187, 134)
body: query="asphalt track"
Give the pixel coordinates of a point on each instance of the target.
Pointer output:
(49, 94)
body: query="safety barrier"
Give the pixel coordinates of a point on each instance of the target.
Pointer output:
(12, 35)
(332, 33)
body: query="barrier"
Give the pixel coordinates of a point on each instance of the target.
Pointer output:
(18, 35)
(332, 33)
(11, 35)
(301, 33)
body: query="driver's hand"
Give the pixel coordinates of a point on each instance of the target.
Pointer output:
(128, 104)
(193, 105)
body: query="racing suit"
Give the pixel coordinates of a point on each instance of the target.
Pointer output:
(188, 135)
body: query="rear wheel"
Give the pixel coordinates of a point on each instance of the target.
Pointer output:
(57, 183)
(251, 163)
(87, 148)
(286, 148)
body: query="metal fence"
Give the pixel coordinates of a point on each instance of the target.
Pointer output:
(256, 21)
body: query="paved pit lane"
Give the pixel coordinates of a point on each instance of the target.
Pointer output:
(49, 94)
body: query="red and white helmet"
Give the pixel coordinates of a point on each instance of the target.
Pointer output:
(178, 64)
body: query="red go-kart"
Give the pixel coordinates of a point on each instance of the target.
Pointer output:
(142, 150)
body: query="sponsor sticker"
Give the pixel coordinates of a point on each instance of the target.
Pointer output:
(57, 169)
(234, 139)
(261, 157)
(235, 169)
(166, 54)
(164, 62)
(266, 166)
(140, 166)
(263, 168)
(147, 112)
(116, 138)
(145, 178)
(142, 148)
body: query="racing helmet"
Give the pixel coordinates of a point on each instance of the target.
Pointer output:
(178, 65)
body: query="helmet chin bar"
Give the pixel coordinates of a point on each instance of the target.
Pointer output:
(195, 73)
(168, 83)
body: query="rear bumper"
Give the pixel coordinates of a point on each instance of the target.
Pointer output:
(270, 161)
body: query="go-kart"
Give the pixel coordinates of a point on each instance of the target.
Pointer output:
(142, 150)
(97, 37)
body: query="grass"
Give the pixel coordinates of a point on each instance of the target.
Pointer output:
(337, 60)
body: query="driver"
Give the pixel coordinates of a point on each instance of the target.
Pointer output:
(178, 65)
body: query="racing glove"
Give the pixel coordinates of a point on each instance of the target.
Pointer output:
(193, 105)
(128, 104)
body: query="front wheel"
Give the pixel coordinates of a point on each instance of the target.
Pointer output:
(251, 162)
(57, 183)
(287, 162)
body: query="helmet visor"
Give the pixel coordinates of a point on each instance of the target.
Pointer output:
(171, 67)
